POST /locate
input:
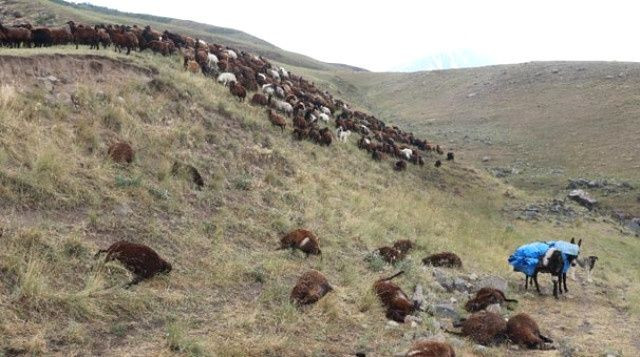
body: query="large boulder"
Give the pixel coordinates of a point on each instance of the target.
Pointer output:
(582, 198)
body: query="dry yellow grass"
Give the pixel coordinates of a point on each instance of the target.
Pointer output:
(62, 199)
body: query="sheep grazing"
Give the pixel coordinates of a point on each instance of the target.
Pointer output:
(142, 261)
(449, 156)
(438, 163)
(444, 259)
(238, 90)
(190, 170)
(403, 245)
(398, 305)
(343, 135)
(430, 349)
(485, 297)
(226, 77)
(377, 155)
(276, 119)
(259, 99)
(524, 331)
(400, 165)
(303, 240)
(193, 66)
(485, 328)
(310, 287)
(281, 106)
(389, 254)
(407, 153)
(121, 153)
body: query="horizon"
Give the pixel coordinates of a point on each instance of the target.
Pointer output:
(490, 33)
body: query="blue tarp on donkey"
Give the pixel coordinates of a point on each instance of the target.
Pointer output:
(525, 259)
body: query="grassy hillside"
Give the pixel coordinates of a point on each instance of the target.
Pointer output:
(552, 121)
(58, 12)
(61, 199)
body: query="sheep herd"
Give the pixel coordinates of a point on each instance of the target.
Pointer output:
(290, 100)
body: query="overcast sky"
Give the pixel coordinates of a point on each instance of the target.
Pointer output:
(406, 35)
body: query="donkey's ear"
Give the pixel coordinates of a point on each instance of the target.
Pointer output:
(573, 241)
(580, 242)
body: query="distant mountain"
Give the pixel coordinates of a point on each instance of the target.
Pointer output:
(448, 60)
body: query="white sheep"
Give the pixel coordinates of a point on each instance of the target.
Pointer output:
(268, 89)
(325, 110)
(202, 43)
(324, 117)
(407, 153)
(343, 135)
(226, 78)
(262, 77)
(365, 129)
(232, 54)
(280, 92)
(212, 60)
(283, 72)
(273, 73)
(282, 106)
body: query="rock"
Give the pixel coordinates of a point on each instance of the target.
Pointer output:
(47, 84)
(120, 100)
(460, 284)
(445, 310)
(418, 297)
(495, 308)
(634, 224)
(64, 98)
(471, 95)
(582, 198)
(486, 158)
(480, 349)
(555, 71)
(494, 282)
(392, 324)
(52, 79)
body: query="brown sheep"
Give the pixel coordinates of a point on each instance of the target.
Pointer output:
(238, 90)
(326, 137)
(485, 297)
(121, 153)
(404, 245)
(389, 254)
(276, 119)
(301, 239)
(259, 99)
(142, 261)
(193, 66)
(60, 36)
(450, 156)
(194, 174)
(524, 331)
(398, 305)
(161, 47)
(84, 35)
(400, 165)
(310, 287)
(438, 163)
(431, 349)
(377, 155)
(485, 328)
(444, 259)
(15, 36)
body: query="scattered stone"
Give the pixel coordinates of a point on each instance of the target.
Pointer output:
(120, 100)
(470, 95)
(480, 349)
(494, 282)
(392, 324)
(418, 297)
(123, 210)
(583, 198)
(445, 310)
(495, 308)
(486, 158)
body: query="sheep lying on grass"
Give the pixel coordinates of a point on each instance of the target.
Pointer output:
(310, 287)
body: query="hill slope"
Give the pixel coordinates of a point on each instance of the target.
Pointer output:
(58, 12)
(62, 199)
(552, 121)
